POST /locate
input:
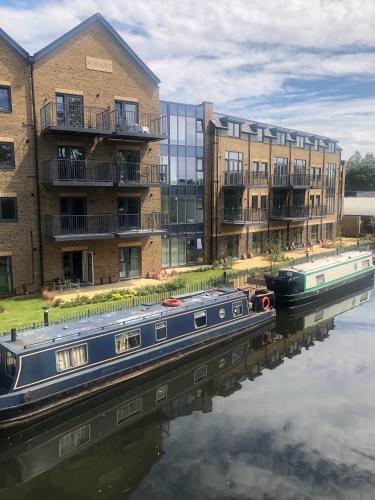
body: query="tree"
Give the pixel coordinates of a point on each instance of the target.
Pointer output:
(361, 172)
(275, 249)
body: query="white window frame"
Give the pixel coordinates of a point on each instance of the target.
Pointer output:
(165, 394)
(195, 317)
(74, 433)
(71, 349)
(238, 303)
(130, 415)
(200, 378)
(320, 279)
(166, 330)
(129, 333)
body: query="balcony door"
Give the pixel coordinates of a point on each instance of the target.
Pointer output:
(129, 168)
(71, 163)
(69, 110)
(78, 265)
(127, 116)
(232, 203)
(6, 284)
(130, 262)
(129, 210)
(73, 215)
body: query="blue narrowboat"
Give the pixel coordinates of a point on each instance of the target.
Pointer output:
(47, 368)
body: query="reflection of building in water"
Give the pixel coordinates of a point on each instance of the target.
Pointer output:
(111, 446)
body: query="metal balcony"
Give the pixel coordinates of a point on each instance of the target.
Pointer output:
(316, 212)
(290, 213)
(75, 119)
(244, 216)
(259, 179)
(101, 226)
(87, 120)
(103, 173)
(318, 181)
(139, 126)
(240, 178)
(296, 181)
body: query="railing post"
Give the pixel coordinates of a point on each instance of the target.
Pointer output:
(45, 315)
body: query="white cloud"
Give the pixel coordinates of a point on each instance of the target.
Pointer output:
(226, 50)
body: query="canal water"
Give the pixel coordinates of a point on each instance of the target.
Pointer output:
(287, 413)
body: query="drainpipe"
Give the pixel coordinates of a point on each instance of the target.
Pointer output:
(37, 172)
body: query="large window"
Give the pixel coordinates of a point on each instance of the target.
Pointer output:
(182, 251)
(6, 284)
(331, 147)
(234, 129)
(5, 99)
(6, 155)
(200, 319)
(8, 209)
(127, 341)
(300, 141)
(281, 138)
(259, 134)
(233, 161)
(71, 357)
(130, 262)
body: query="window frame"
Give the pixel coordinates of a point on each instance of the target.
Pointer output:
(204, 311)
(281, 138)
(129, 416)
(238, 303)
(8, 87)
(166, 330)
(320, 279)
(232, 128)
(13, 160)
(60, 370)
(199, 379)
(165, 394)
(74, 433)
(127, 334)
(300, 141)
(8, 221)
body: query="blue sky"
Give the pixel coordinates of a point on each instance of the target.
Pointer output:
(305, 64)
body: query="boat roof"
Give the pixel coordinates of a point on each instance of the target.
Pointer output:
(124, 318)
(321, 264)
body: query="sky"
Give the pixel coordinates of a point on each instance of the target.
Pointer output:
(303, 64)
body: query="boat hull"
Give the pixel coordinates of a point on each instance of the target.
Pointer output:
(20, 407)
(330, 292)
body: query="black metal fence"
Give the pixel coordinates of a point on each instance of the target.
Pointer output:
(245, 215)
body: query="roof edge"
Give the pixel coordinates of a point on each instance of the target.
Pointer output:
(85, 24)
(15, 46)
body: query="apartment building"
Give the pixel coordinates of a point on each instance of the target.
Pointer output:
(100, 181)
(270, 182)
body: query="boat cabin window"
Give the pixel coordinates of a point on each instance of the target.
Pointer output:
(161, 393)
(161, 331)
(285, 274)
(129, 410)
(200, 319)
(200, 374)
(73, 440)
(320, 279)
(237, 309)
(127, 341)
(365, 264)
(71, 358)
(355, 266)
(10, 364)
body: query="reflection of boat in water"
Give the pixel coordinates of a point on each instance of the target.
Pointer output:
(114, 440)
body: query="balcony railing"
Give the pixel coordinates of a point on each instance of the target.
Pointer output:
(97, 173)
(139, 124)
(245, 178)
(318, 211)
(244, 215)
(318, 181)
(76, 118)
(294, 212)
(280, 180)
(291, 180)
(102, 226)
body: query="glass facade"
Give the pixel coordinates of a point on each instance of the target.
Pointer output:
(183, 153)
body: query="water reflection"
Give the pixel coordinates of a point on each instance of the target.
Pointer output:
(206, 430)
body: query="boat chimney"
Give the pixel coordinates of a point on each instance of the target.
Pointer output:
(13, 335)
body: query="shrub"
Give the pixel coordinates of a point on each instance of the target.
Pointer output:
(48, 296)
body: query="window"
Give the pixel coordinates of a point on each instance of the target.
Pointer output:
(365, 264)
(320, 279)
(237, 309)
(331, 147)
(8, 210)
(256, 167)
(73, 440)
(234, 129)
(316, 144)
(281, 138)
(5, 99)
(233, 161)
(355, 266)
(161, 393)
(259, 134)
(71, 358)
(199, 125)
(300, 141)
(161, 331)
(200, 319)
(329, 231)
(263, 201)
(10, 364)
(200, 374)
(254, 202)
(129, 410)
(236, 354)
(6, 282)
(264, 169)
(6, 155)
(127, 341)
(200, 171)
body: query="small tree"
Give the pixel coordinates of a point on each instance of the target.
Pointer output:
(338, 241)
(275, 250)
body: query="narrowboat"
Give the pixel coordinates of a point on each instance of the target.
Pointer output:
(47, 368)
(313, 282)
